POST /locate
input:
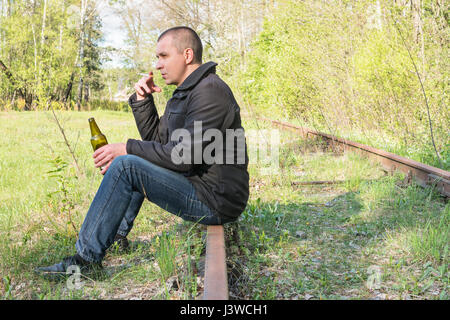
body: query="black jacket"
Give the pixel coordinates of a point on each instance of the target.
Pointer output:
(204, 97)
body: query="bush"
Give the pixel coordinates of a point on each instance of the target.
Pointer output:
(99, 104)
(341, 68)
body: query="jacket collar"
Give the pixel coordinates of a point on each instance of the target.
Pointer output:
(197, 75)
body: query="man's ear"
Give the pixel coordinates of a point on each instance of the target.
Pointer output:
(188, 55)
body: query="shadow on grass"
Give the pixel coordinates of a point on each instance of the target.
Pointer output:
(325, 250)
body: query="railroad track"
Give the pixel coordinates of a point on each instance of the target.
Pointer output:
(216, 281)
(425, 175)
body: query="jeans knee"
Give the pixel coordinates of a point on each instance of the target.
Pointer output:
(121, 162)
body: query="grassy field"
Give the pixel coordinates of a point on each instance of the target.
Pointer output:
(372, 237)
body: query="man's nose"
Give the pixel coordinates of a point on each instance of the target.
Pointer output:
(158, 65)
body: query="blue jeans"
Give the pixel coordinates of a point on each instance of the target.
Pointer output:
(127, 182)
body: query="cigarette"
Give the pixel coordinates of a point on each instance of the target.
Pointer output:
(143, 74)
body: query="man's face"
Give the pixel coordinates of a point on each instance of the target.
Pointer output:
(171, 63)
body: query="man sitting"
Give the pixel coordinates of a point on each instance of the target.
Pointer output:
(177, 165)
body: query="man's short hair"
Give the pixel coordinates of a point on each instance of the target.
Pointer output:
(183, 38)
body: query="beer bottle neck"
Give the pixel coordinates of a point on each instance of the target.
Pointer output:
(94, 128)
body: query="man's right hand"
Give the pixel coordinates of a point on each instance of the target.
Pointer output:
(145, 86)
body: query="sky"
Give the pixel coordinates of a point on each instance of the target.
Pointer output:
(114, 36)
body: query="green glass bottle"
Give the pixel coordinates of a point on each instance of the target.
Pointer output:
(98, 139)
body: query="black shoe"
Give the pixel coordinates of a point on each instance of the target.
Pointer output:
(61, 270)
(121, 243)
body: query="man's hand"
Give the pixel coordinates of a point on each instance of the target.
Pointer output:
(145, 86)
(104, 156)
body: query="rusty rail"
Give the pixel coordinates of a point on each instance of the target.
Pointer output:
(216, 282)
(424, 174)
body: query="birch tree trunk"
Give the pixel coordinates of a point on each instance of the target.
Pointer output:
(35, 53)
(81, 54)
(2, 37)
(44, 17)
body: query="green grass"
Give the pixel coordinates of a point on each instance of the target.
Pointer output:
(324, 242)
(41, 213)
(292, 242)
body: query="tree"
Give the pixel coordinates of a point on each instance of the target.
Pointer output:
(39, 50)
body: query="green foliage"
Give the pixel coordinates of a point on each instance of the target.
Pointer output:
(8, 287)
(64, 200)
(104, 104)
(342, 67)
(40, 44)
(166, 252)
(432, 240)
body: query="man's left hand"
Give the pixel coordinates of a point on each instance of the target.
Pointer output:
(104, 156)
